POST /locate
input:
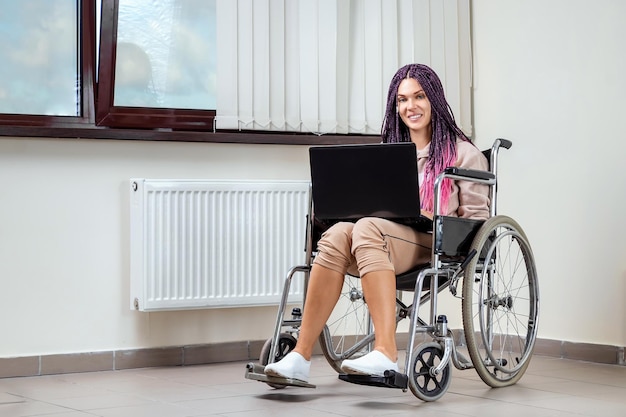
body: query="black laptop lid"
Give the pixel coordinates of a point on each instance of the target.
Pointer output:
(355, 181)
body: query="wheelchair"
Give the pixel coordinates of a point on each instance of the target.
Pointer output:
(488, 264)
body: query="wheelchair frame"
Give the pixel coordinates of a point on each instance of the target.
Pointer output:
(500, 303)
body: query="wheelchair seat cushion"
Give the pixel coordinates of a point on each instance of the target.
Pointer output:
(406, 280)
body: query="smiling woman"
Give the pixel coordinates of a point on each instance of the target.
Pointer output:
(414, 110)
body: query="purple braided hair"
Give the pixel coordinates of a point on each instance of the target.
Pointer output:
(442, 153)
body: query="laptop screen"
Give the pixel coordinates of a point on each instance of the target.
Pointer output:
(354, 181)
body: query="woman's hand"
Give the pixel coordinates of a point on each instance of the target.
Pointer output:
(427, 214)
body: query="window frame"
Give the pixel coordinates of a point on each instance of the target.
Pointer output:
(109, 115)
(99, 119)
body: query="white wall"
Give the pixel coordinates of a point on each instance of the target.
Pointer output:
(64, 242)
(548, 76)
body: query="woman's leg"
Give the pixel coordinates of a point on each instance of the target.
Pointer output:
(325, 281)
(382, 249)
(322, 294)
(323, 291)
(379, 289)
(380, 244)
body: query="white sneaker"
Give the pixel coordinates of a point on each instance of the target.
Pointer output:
(293, 366)
(374, 363)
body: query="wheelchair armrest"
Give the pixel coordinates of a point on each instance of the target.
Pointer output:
(469, 174)
(463, 174)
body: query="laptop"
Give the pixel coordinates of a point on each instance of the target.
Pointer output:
(350, 182)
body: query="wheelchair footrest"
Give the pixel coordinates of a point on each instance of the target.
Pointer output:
(391, 379)
(256, 372)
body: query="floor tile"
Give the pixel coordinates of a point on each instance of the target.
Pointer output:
(551, 387)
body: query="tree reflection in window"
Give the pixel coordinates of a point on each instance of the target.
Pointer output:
(166, 54)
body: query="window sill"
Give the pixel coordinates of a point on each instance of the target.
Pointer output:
(243, 137)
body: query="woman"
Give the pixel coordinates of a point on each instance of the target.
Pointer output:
(377, 249)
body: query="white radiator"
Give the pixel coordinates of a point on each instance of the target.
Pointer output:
(203, 244)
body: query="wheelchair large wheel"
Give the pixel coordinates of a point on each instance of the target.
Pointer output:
(500, 302)
(348, 332)
(422, 383)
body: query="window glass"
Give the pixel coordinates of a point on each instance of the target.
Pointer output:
(165, 54)
(39, 73)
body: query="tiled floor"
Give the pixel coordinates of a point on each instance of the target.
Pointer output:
(550, 387)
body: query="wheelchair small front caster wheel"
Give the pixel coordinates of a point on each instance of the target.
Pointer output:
(422, 383)
(286, 343)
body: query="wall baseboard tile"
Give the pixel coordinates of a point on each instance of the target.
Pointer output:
(244, 351)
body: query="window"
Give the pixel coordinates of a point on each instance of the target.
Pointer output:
(301, 72)
(157, 64)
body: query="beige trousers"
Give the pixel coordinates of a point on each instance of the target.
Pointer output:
(372, 244)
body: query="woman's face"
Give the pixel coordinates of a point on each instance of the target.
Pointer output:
(413, 106)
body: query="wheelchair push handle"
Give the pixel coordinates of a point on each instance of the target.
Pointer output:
(503, 143)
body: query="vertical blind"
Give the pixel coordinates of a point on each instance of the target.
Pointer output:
(324, 66)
